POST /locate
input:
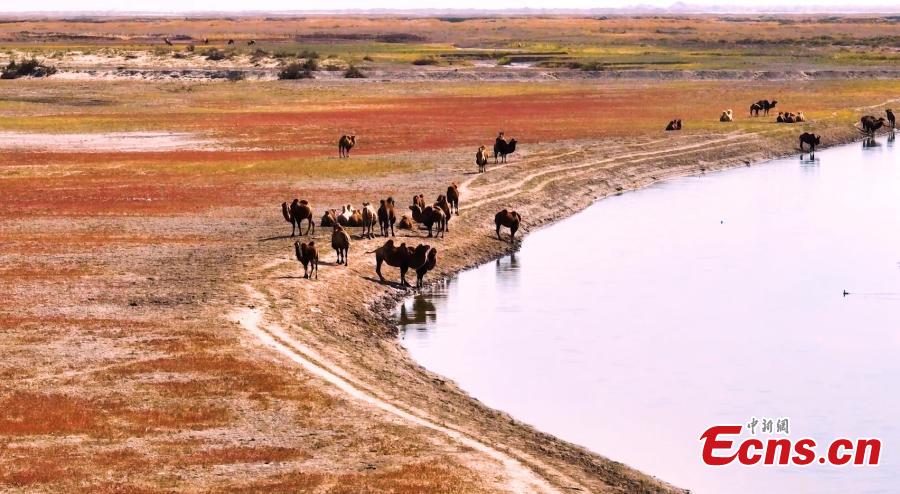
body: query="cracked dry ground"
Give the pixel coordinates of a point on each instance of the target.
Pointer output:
(129, 363)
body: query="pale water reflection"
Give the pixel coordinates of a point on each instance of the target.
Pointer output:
(632, 327)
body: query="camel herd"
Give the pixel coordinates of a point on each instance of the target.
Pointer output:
(436, 216)
(422, 258)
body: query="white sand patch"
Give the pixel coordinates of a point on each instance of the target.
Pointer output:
(107, 142)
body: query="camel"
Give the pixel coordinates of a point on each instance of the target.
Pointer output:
(296, 213)
(345, 144)
(511, 220)
(892, 121)
(166, 40)
(811, 140)
(430, 263)
(402, 257)
(386, 216)
(764, 105)
(329, 218)
(444, 205)
(870, 124)
(453, 197)
(674, 125)
(251, 42)
(369, 218)
(405, 223)
(799, 117)
(419, 200)
(431, 216)
(780, 118)
(205, 41)
(231, 42)
(481, 159)
(789, 118)
(346, 213)
(727, 116)
(308, 255)
(340, 242)
(503, 148)
(754, 109)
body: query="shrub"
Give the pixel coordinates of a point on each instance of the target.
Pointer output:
(368, 59)
(354, 73)
(426, 61)
(216, 55)
(295, 71)
(504, 61)
(27, 68)
(310, 64)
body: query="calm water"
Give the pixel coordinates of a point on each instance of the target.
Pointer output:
(633, 326)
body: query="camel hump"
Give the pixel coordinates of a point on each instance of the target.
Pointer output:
(304, 202)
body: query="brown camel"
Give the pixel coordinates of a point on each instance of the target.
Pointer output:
(345, 144)
(674, 125)
(453, 197)
(430, 263)
(511, 220)
(481, 159)
(444, 205)
(296, 213)
(329, 218)
(340, 242)
(431, 216)
(369, 218)
(405, 223)
(402, 257)
(386, 216)
(419, 200)
(811, 140)
(871, 124)
(308, 255)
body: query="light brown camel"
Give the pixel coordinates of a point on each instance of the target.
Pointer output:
(481, 159)
(369, 218)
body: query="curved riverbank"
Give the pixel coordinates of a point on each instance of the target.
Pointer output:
(356, 333)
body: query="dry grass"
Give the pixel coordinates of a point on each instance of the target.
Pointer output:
(27, 413)
(405, 479)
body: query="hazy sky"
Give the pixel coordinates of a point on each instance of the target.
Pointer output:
(278, 5)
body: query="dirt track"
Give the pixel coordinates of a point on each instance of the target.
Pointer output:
(543, 185)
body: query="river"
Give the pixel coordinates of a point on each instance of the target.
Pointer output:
(633, 326)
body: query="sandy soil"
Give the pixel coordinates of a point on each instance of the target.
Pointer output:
(102, 142)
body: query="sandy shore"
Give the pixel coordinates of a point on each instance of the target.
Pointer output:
(343, 323)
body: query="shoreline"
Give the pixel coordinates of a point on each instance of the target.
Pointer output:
(393, 373)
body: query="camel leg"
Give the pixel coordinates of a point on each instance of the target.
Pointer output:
(512, 235)
(316, 265)
(403, 281)
(392, 231)
(498, 232)
(378, 262)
